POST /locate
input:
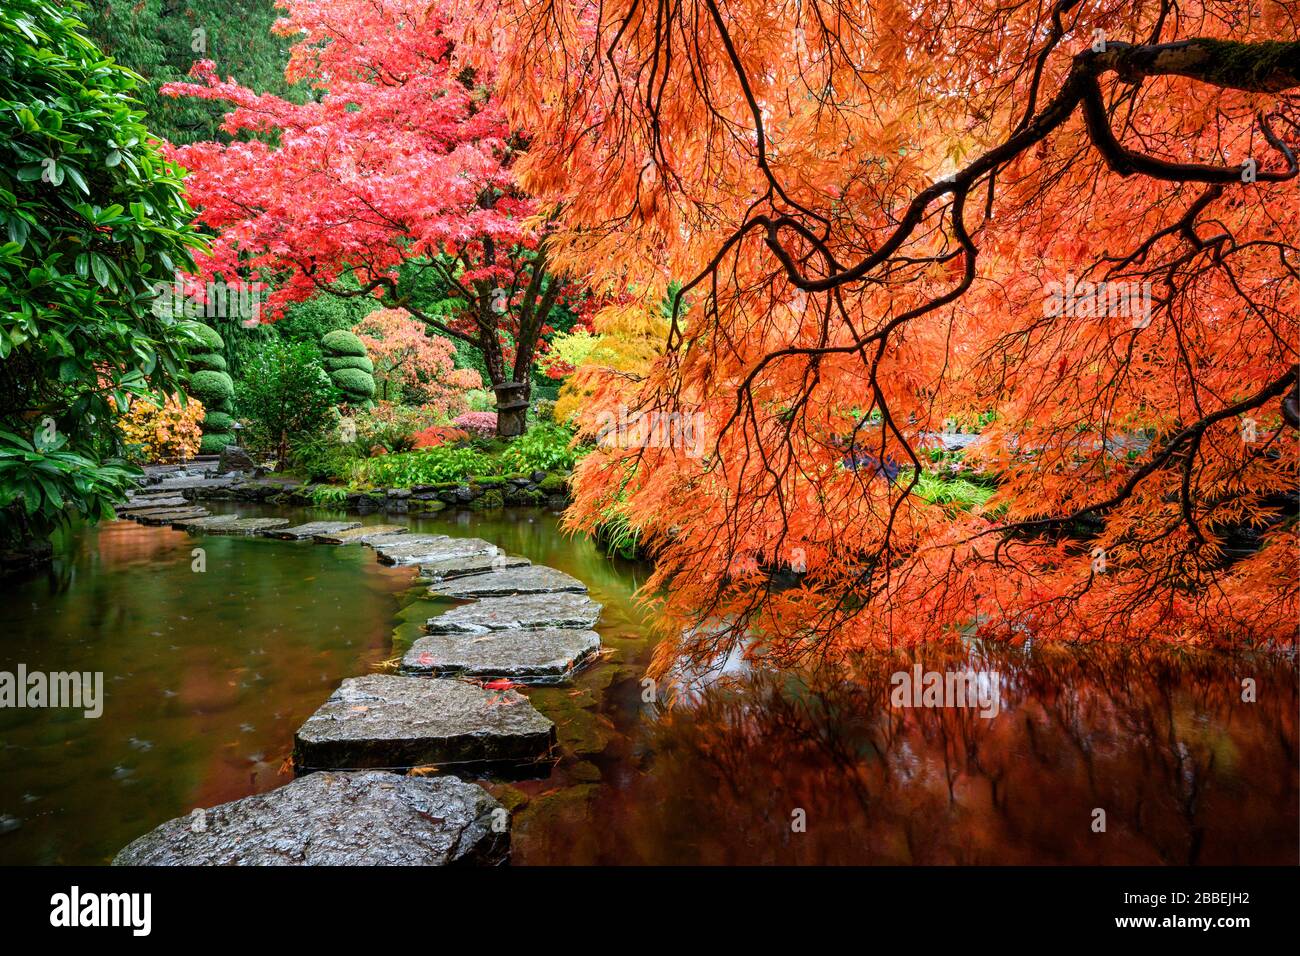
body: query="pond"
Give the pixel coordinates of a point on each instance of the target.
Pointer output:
(207, 676)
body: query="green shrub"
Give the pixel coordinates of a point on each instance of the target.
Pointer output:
(211, 387)
(218, 422)
(432, 466)
(321, 458)
(285, 397)
(354, 382)
(342, 342)
(545, 447)
(333, 364)
(213, 442)
(208, 361)
(209, 339)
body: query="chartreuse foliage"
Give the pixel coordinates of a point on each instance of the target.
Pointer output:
(91, 217)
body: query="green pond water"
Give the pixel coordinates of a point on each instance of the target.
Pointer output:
(208, 675)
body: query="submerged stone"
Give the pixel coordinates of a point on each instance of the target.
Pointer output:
(546, 655)
(563, 610)
(337, 819)
(311, 529)
(446, 569)
(385, 720)
(362, 535)
(245, 525)
(534, 579)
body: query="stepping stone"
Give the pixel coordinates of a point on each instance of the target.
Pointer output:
(389, 721)
(445, 569)
(177, 514)
(521, 611)
(311, 529)
(138, 504)
(143, 513)
(337, 819)
(435, 550)
(361, 535)
(246, 526)
(534, 579)
(546, 656)
(204, 524)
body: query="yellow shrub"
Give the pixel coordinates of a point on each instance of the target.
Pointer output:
(168, 433)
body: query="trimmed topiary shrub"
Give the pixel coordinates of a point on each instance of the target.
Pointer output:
(219, 422)
(210, 339)
(211, 388)
(354, 382)
(349, 368)
(214, 442)
(342, 342)
(209, 361)
(359, 362)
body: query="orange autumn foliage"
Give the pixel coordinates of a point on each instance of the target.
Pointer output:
(170, 432)
(1075, 223)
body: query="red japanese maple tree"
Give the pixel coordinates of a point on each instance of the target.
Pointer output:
(398, 176)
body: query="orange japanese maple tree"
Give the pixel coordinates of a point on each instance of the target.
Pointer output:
(1071, 225)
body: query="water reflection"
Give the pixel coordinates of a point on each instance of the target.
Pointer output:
(1185, 771)
(208, 675)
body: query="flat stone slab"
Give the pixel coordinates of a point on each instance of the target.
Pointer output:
(149, 504)
(245, 525)
(525, 611)
(203, 524)
(337, 819)
(534, 579)
(389, 721)
(363, 534)
(175, 514)
(301, 532)
(435, 550)
(446, 569)
(190, 484)
(141, 513)
(545, 656)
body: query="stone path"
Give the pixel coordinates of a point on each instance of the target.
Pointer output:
(339, 819)
(453, 707)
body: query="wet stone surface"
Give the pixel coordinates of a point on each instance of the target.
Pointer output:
(203, 524)
(518, 611)
(337, 819)
(366, 534)
(534, 579)
(434, 550)
(389, 721)
(311, 529)
(447, 569)
(548, 655)
(245, 526)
